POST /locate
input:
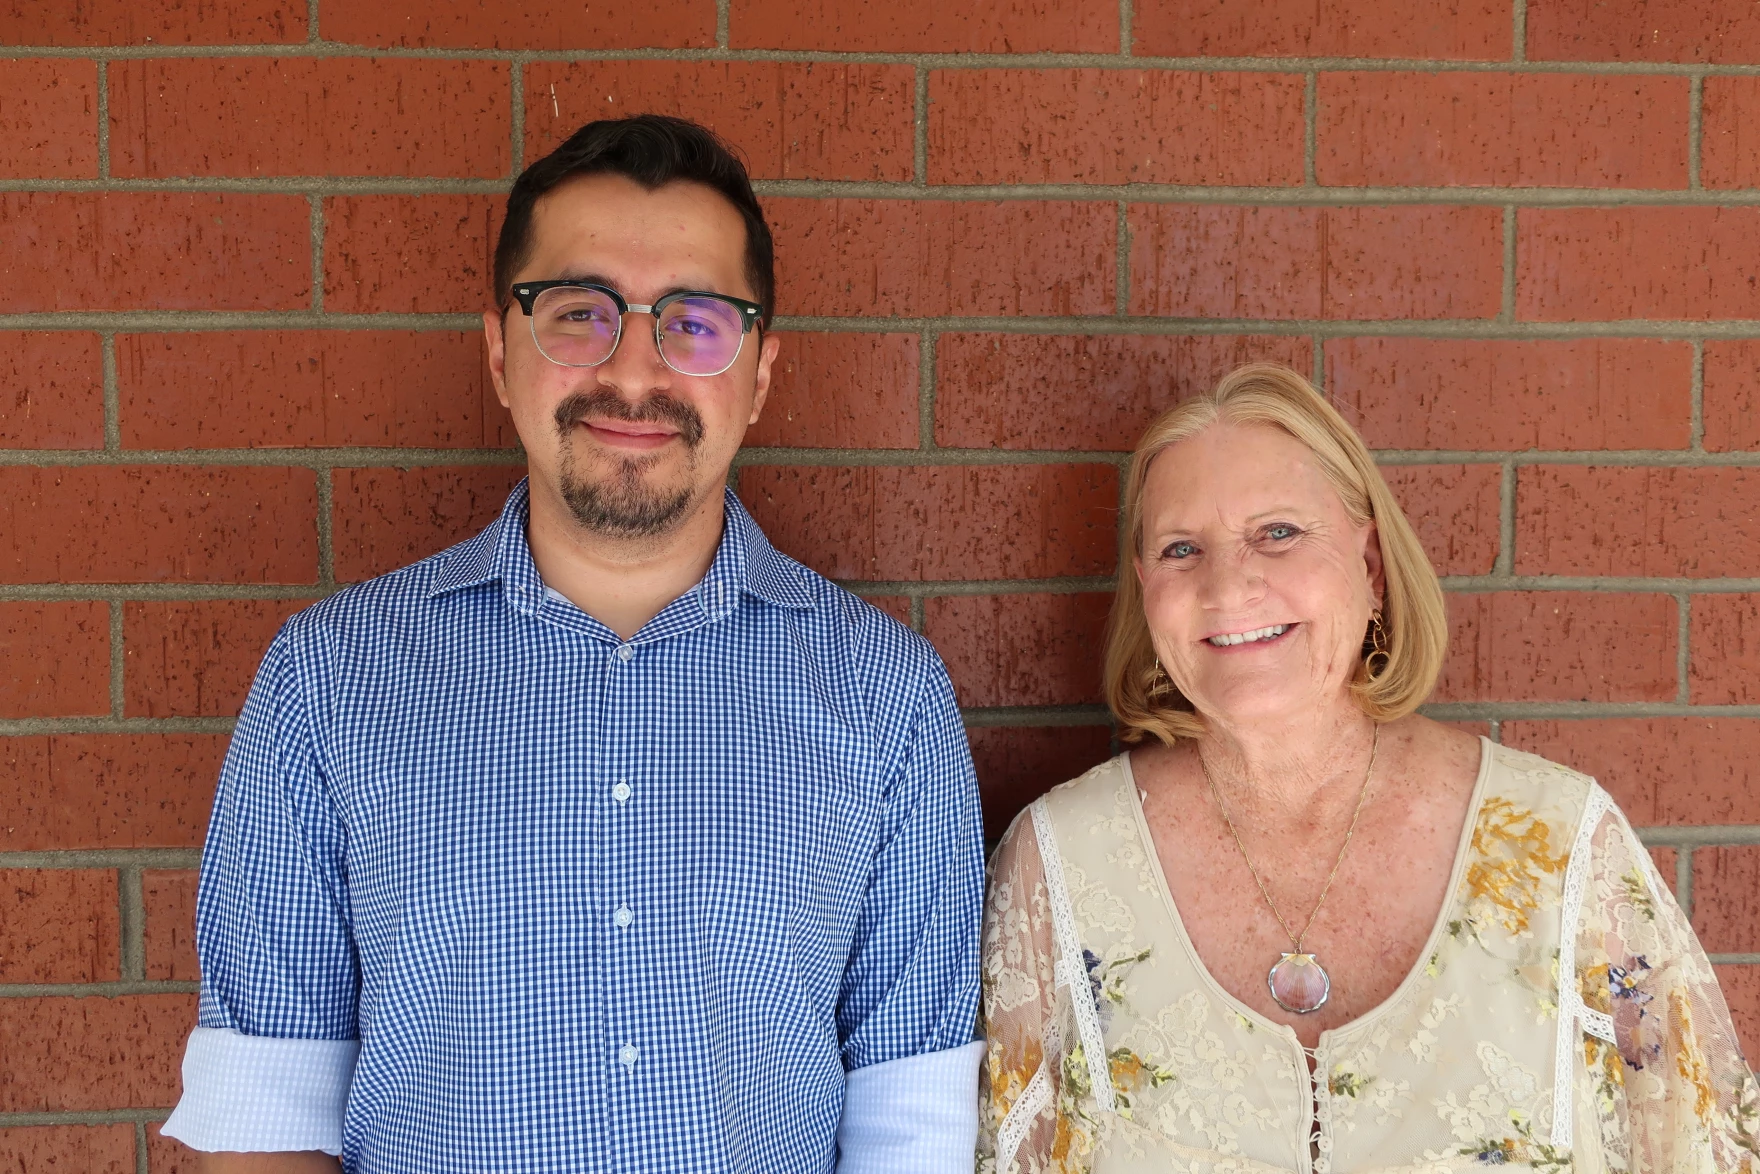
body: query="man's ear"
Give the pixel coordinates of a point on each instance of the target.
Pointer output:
(761, 387)
(495, 336)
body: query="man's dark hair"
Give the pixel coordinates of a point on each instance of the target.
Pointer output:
(652, 150)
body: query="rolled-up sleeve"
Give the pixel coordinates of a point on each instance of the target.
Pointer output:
(910, 994)
(269, 1065)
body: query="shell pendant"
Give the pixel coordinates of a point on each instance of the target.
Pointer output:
(1299, 984)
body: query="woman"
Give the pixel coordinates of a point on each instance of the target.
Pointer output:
(1299, 927)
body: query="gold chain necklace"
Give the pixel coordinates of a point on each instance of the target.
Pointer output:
(1299, 984)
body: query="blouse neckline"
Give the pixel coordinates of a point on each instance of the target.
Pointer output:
(1431, 943)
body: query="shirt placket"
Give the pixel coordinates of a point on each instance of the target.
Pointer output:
(624, 795)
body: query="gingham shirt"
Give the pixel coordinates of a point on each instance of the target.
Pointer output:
(585, 903)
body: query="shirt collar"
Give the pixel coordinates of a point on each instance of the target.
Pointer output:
(745, 562)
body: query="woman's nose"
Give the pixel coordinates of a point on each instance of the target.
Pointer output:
(1231, 582)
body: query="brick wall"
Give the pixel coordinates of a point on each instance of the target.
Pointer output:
(242, 243)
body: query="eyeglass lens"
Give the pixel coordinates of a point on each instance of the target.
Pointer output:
(579, 328)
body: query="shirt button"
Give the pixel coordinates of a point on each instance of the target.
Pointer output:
(625, 651)
(623, 917)
(628, 1055)
(621, 792)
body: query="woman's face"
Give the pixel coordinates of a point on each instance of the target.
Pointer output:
(1257, 585)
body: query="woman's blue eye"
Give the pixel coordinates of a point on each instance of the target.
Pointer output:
(1280, 531)
(1180, 550)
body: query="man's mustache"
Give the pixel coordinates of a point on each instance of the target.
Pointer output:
(658, 408)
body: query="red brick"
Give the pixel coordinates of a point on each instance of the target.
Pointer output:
(940, 521)
(927, 26)
(51, 118)
(258, 388)
(1741, 990)
(178, 116)
(59, 925)
(107, 791)
(1021, 649)
(917, 258)
(1115, 126)
(1606, 264)
(790, 120)
(1092, 393)
(1667, 861)
(153, 250)
(1632, 520)
(170, 900)
(1731, 401)
(1456, 511)
(92, 1053)
(1726, 898)
(405, 254)
(54, 659)
(539, 24)
(388, 518)
(1447, 29)
(841, 391)
(176, 22)
(68, 1149)
(51, 390)
(1661, 770)
(1017, 764)
(1724, 646)
(159, 523)
(1729, 149)
(167, 1155)
(1503, 395)
(1222, 261)
(1559, 646)
(896, 606)
(196, 658)
(1502, 130)
(1715, 31)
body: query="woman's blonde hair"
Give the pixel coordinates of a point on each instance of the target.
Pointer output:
(1140, 694)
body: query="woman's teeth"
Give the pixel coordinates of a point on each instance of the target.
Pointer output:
(1249, 637)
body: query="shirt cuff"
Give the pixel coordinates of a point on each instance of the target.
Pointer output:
(254, 1094)
(918, 1114)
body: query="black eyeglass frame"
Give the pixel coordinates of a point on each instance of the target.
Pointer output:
(526, 294)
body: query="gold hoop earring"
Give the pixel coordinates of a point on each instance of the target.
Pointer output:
(1376, 656)
(1160, 683)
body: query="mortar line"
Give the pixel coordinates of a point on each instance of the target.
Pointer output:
(93, 990)
(316, 203)
(1319, 362)
(140, 1148)
(117, 656)
(1126, 33)
(1506, 521)
(1111, 59)
(106, 858)
(1683, 648)
(918, 621)
(1494, 730)
(1121, 296)
(84, 1117)
(104, 118)
(927, 364)
(1696, 428)
(1310, 129)
(1519, 31)
(112, 391)
(516, 117)
(1305, 195)
(25, 726)
(1699, 835)
(920, 130)
(133, 923)
(326, 547)
(723, 23)
(312, 35)
(1507, 311)
(1683, 879)
(1695, 130)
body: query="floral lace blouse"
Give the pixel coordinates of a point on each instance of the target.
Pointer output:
(1563, 1016)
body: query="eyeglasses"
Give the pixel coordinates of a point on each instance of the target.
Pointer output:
(576, 324)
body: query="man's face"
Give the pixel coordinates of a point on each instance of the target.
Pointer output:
(630, 448)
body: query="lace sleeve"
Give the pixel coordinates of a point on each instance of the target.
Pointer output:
(1673, 1088)
(1021, 1122)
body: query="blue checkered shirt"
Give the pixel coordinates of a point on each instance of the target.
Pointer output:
(586, 904)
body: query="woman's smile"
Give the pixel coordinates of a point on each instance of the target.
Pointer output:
(1251, 638)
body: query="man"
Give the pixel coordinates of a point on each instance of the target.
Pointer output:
(610, 839)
